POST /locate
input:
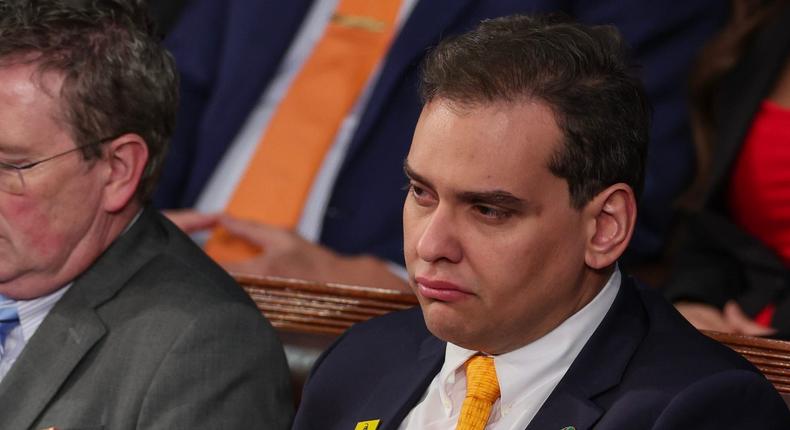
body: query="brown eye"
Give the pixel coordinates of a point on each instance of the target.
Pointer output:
(491, 212)
(418, 192)
(421, 196)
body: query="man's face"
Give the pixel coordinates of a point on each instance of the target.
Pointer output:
(494, 250)
(48, 235)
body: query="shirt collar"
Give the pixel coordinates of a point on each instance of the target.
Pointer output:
(543, 361)
(32, 312)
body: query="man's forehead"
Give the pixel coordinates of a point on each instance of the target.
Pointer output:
(524, 113)
(27, 90)
(485, 147)
(468, 107)
(45, 78)
(499, 131)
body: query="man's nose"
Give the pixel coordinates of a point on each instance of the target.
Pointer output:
(439, 239)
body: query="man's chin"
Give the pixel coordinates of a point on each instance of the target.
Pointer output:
(7, 274)
(12, 278)
(446, 322)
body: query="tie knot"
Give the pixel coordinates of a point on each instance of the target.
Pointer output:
(9, 318)
(481, 380)
(8, 312)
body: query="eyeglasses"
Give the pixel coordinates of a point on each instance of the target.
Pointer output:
(11, 179)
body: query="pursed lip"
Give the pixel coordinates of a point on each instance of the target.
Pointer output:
(440, 290)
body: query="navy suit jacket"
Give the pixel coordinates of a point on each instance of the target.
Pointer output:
(228, 51)
(644, 367)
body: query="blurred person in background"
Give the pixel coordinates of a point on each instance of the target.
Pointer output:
(732, 271)
(331, 211)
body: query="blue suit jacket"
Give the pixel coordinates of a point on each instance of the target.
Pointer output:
(228, 51)
(644, 367)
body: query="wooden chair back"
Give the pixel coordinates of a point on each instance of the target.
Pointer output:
(315, 307)
(770, 356)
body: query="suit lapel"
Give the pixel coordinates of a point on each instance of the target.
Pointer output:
(572, 403)
(566, 408)
(256, 40)
(47, 360)
(400, 390)
(72, 327)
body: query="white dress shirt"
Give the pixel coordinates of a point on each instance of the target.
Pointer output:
(31, 314)
(526, 376)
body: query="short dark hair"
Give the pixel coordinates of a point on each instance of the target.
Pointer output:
(580, 72)
(117, 76)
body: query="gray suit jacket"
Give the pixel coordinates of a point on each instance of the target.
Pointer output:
(154, 335)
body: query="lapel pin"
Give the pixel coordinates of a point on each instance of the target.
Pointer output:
(568, 428)
(367, 425)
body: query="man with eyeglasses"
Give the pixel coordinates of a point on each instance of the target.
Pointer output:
(110, 317)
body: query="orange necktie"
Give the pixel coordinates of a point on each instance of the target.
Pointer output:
(275, 185)
(482, 390)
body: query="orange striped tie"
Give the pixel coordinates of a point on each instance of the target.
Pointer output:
(277, 181)
(482, 390)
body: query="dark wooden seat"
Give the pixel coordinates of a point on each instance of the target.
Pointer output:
(770, 356)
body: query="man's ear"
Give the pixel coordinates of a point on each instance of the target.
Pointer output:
(126, 157)
(612, 215)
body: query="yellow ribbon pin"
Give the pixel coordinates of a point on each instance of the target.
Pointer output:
(367, 425)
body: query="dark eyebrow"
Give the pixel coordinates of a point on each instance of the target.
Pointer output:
(11, 149)
(495, 198)
(411, 174)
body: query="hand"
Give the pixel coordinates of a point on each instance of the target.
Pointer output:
(190, 220)
(741, 323)
(703, 316)
(286, 254)
(730, 320)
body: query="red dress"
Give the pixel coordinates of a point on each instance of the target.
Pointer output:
(759, 193)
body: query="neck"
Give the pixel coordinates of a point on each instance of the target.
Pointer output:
(102, 232)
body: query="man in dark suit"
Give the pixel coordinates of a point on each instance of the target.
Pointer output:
(231, 53)
(111, 317)
(524, 171)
